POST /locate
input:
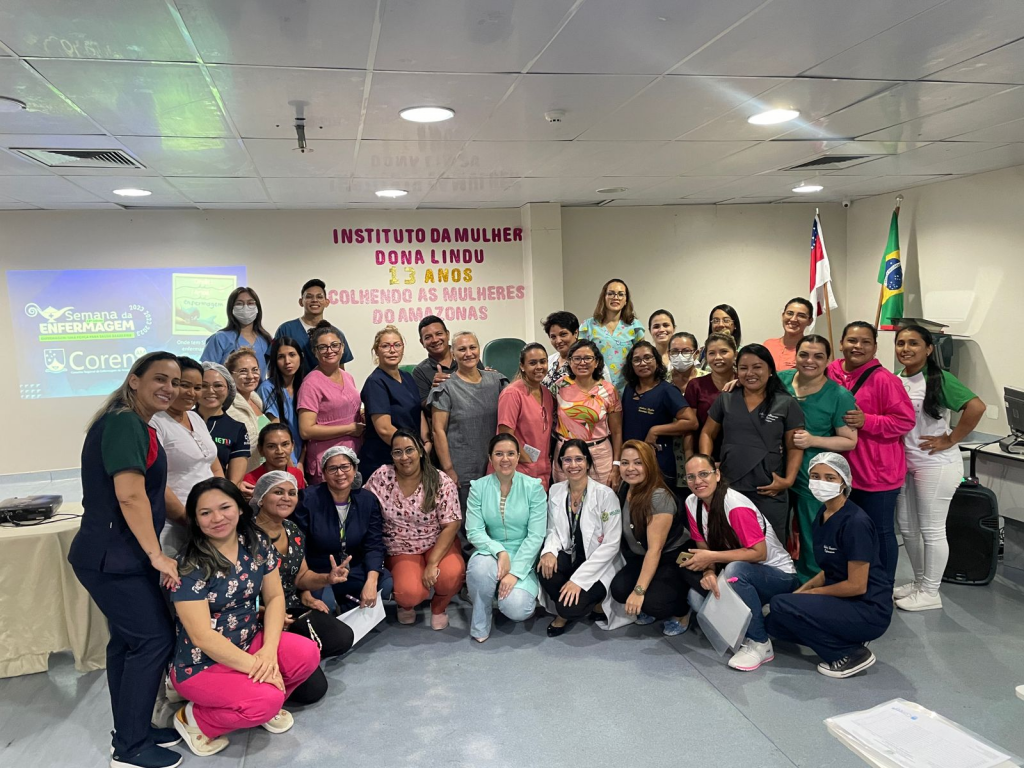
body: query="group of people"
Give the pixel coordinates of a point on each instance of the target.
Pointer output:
(235, 506)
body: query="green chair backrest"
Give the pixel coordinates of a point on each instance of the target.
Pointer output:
(503, 355)
(407, 368)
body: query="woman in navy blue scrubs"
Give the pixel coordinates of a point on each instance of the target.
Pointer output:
(117, 557)
(849, 603)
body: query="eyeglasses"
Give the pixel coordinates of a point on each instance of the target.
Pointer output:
(645, 360)
(393, 347)
(699, 476)
(683, 353)
(615, 295)
(572, 460)
(220, 386)
(337, 469)
(242, 372)
(245, 303)
(399, 452)
(323, 349)
(582, 360)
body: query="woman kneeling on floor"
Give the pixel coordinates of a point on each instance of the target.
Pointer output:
(849, 603)
(505, 521)
(273, 499)
(421, 513)
(729, 530)
(581, 552)
(233, 672)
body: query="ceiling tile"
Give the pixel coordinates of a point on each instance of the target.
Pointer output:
(1003, 65)
(638, 37)
(681, 186)
(761, 200)
(990, 160)
(284, 33)
(584, 99)
(552, 190)
(929, 159)
(141, 30)
(456, 191)
(1007, 132)
(812, 98)
(98, 206)
(768, 185)
(766, 157)
(676, 105)
(264, 101)
(163, 193)
(405, 159)
(213, 190)
(822, 27)
(237, 206)
(937, 39)
(172, 156)
(12, 205)
(43, 190)
(324, 191)
(135, 99)
(11, 165)
(46, 111)
(990, 111)
(362, 190)
(680, 157)
(473, 97)
(502, 158)
(280, 157)
(590, 158)
(884, 184)
(477, 35)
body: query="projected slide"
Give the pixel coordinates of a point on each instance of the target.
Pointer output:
(78, 331)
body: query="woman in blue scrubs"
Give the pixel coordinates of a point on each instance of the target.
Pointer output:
(849, 603)
(244, 329)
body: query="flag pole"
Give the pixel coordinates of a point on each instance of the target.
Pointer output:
(828, 311)
(881, 288)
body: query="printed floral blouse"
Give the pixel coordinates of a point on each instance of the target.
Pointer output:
(614, 346)
(232, 598)
(408, 530)
(585, 414)
(290, 564)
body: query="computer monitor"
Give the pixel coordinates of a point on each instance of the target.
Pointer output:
(1014, 399)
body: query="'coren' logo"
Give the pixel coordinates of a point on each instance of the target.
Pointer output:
(55, 360)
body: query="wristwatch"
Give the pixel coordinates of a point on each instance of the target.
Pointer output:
(640, 590)
(616, 463)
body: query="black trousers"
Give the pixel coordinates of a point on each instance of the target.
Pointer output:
(589, 598)
(666, 594)
(140, 648)
(334, 638)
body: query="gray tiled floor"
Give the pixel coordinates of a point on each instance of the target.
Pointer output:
(412, 697)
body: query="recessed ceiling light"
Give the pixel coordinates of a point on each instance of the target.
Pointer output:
(773, 116)
(8, 104)
(391, 193)
(611, 190)
(427, 114)
(806, 189)
(132, 192)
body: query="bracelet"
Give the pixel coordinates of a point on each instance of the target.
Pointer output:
(639, 590)
(616, 463)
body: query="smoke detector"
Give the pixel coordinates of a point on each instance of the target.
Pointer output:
(554, 116)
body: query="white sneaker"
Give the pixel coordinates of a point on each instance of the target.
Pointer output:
(920, 601)
(905, 591)
(195, 739)
(752, 655)
(279, 723)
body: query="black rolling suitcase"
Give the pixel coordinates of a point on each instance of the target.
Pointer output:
(972, 529)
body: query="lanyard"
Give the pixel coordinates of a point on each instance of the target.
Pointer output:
(574, 518)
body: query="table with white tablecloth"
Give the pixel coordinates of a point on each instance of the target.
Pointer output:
(43, 608)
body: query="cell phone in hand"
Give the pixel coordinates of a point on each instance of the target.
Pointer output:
(683, 557)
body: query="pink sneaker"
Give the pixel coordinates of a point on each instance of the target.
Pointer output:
(406, 615)
(438, 620)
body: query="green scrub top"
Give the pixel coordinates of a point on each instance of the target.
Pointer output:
(823, 415)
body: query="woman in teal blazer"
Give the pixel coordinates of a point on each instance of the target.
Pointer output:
(506, 518)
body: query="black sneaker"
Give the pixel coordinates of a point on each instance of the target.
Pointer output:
(850, 665)
(162, 737)
(150, 757)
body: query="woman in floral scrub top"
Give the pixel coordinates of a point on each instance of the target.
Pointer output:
(614, 328)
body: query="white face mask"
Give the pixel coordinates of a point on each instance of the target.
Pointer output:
(244, 314)
(824, 491)
(682, 362)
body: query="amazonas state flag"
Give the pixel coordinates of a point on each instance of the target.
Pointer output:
(890, 277)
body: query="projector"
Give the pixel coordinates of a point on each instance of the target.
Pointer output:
(30, 509)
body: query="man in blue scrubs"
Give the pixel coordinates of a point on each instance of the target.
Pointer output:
(313, 301)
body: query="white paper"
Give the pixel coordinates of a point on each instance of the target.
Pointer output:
(362, 620)
(724, 619)
(533, 453)
(903, 734)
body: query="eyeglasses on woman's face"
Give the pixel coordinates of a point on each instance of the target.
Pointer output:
(615, 294)
(391, 347)
(398, 453)
(323, 349)
(573, 460)
(343, 468)
(643, 360)
(582, 359)
(702, 475)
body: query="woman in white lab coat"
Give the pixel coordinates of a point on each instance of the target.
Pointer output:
(581, 550)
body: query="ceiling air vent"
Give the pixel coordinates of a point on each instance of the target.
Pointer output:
(831, 162)
(80, 158)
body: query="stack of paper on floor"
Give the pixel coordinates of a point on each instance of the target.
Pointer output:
(724, 620)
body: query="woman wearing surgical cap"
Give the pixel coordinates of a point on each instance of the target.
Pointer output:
(343, 522)
(849, 603)
(274, 498)
(230, 436)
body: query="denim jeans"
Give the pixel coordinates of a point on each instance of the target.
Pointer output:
(881, 508)
(756, 584)
(482, 584)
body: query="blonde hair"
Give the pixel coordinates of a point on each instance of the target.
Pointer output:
(460, 334)
(379, 335)
(232, 362)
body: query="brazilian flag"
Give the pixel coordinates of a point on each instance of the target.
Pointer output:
(890, 277)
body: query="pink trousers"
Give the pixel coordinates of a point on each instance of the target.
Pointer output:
(224, 700)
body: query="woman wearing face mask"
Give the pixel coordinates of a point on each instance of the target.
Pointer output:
(526, 409)
(662, 325)
(191, 453)
(614, 328)
(562, 329)
(278, 392)
(825, 405)
(651, 585)
(247, 406)
(884, 414)
(758, 421)
(230, 436)
(274, 499)
(849, 602)
(653, 410)
(581, 551)
(796, 316)
(934, 465)
(683, 352)
(703, 391)
(328, 402)
(505, 522)
(275, 446)
(730, 532)
(244, 329)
